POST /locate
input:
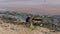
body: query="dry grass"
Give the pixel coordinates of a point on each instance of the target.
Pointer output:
(8, 28)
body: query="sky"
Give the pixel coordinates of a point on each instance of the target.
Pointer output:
(36, 6)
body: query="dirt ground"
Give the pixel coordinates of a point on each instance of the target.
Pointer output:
(7, 28)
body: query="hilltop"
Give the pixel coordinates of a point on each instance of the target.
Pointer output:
(8, 28)
(13, 23)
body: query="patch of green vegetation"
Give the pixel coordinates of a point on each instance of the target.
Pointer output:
(32, 26)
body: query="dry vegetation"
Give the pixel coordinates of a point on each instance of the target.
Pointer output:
(8, 28)
(14, 26)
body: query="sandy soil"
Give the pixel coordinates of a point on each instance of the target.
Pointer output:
(7, 28)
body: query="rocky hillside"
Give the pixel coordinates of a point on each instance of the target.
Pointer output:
(13, 23)
(10, 28)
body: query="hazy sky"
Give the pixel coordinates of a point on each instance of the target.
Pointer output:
(46, 5)
(30, 2)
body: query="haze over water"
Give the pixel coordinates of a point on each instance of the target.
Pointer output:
(32, 6)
